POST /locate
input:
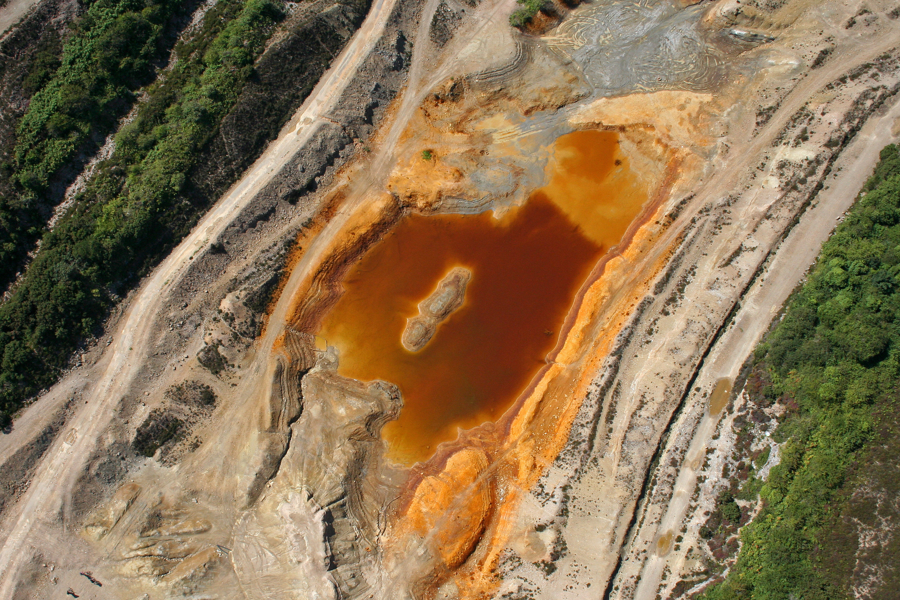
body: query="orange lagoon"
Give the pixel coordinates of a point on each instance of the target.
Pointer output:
(527, 268)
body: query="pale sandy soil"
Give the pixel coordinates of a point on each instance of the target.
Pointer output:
(114, 372)
(289, 495)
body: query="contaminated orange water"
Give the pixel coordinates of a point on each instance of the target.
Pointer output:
(664, 543)
(602, 197)
(526, 270)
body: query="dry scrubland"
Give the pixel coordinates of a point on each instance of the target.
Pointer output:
(206, 446)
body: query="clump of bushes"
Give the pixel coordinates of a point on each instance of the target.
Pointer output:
(159, 427)
(833, 363)
(212, 359)
(520, 17)
(168, 425)
(192, 394)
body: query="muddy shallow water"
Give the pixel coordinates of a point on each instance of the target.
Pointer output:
(720, 396)
(526, 269)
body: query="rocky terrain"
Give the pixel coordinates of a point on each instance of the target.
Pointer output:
(448, 297)
(208, 443)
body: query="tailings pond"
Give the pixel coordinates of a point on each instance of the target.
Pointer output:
(527, 268)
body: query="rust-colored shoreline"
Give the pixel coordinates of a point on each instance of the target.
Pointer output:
(295, 255)
(325, 284)
(647, 212)
(661, 194)
(321, 290)
(650, 209)
(331, 203)
(492, 436)
(531, 448)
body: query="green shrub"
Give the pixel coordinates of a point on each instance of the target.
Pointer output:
(729, 508)
(520, 17)
(833, 361)
(125, 218)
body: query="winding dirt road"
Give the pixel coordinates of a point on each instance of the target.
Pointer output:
(790, 264)
(52, 483)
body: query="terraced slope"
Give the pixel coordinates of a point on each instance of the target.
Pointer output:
(737, 134)
(195, 132)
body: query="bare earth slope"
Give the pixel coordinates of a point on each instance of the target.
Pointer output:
(749, 127)
(48, 491)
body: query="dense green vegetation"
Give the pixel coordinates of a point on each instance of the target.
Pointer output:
(834, 364)
(29, 55)
(79, 91)
(840, 557)
(133, 209)
(46, 61)
(110, 54)
(521, 16)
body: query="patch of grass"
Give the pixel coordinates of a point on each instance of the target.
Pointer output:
(763, 458)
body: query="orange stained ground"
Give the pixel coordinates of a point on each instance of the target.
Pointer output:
(526, 270)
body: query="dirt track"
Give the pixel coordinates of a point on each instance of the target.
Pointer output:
(788, 268)
(13, 12)
(51, 486)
